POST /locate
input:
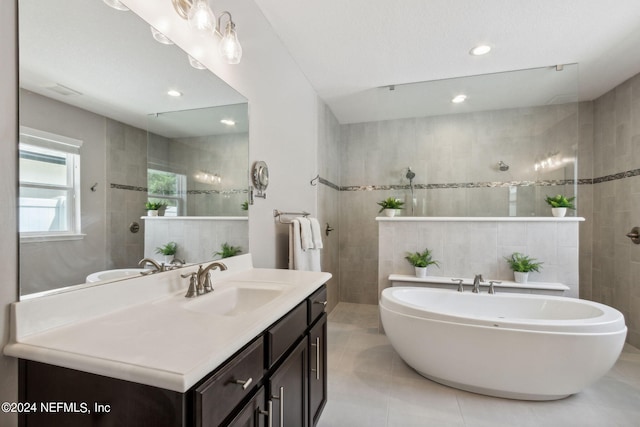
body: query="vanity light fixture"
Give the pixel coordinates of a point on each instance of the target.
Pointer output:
(159, 37)
(195, 63)
(228, 122)
(459, 98)
(116, 4)
(202, 19)
(174, 93)
(480, 50)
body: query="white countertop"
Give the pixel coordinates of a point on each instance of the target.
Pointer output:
(158, 341)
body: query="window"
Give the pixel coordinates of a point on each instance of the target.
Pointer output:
(49, 195)
(169, 188)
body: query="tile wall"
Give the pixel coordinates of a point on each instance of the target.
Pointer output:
(328, 197)
(197, 238)
(466, 248)
(224, 155)
(616, 202)
(127, 178)
(455, 160)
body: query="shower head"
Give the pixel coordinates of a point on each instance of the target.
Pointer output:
(503, 166)
(410, 174)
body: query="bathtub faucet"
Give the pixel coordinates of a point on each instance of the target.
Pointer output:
(476, 283)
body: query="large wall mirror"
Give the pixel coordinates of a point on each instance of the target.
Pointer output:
(101, 136)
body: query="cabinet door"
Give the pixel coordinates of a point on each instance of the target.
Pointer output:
(288, 388)
(254, 413)
(317, 369)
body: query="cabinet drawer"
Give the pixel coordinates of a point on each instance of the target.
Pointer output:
(216, 397)
(284, 334)
(317, 303)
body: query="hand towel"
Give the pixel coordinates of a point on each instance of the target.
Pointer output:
(316, 233)
(306, 239)
(297, 257)
(308, 260)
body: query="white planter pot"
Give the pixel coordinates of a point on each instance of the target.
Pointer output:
(390, 212)
(152, 213)
(521, 277)
(421, 271)
(559, 212)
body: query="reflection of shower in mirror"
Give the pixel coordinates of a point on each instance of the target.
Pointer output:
(410, 175)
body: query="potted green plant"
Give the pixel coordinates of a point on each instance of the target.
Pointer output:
(245, 206)
(390, 205)
(421, 260)
(152, 208)
(522, 265)
(228, 251)
(169, 250)
(559, 204)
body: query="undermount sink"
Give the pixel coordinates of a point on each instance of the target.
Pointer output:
(120, 273)
(233, 300)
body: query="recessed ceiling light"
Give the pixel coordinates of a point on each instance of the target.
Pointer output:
(482, 49)
(458, 99)
(227, 122)
(173, 92)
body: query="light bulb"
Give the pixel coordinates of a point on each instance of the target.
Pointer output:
(200, 17)
(230, 48)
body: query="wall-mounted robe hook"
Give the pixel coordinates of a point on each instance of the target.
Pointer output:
(94, 186)
(328, 230)
(314, 181)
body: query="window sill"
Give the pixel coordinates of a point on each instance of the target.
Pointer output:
(36, 238)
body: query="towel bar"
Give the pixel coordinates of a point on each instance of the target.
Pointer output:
(278, 214)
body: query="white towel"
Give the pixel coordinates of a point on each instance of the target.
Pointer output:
(316, 233)
(308, 260)
(305, 233)
(297, 258)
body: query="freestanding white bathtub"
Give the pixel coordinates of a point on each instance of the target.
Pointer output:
(518, 346)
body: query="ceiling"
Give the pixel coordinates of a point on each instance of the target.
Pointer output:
(348, 48)
(351, 52)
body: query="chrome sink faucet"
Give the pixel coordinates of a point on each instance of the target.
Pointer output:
(476, 283)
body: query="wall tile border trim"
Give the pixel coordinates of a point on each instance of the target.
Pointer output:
(144, 189)
(486, 184)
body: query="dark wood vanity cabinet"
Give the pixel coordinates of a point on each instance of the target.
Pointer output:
(278, 379)
(317, 369)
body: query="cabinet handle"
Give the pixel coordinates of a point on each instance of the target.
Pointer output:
(268, 413)
(324, 303)
(244, 383)
(281, 399)
(317, 346)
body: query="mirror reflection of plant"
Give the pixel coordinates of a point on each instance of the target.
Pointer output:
(228, 251)
(560, 201)
(169, 249)
(523, 263)
(245, 206)
(421, 259)
(151, 205)
(390, 203)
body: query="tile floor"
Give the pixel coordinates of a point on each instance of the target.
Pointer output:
(370, 386)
